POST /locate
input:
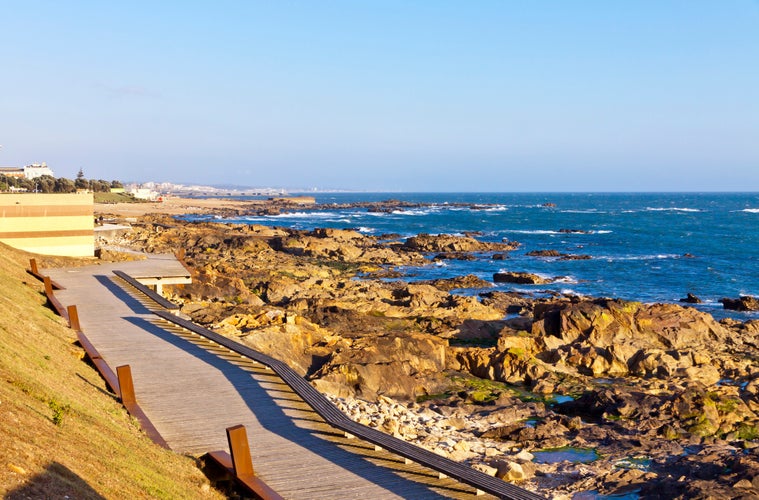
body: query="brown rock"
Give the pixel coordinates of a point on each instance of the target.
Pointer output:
(743, 303)
(520, 278)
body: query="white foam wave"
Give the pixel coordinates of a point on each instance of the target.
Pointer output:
(531, 231)
(751, 210)
(571, 280)
(496, 208)
(363, 229)
(660, 256)
(413, 213)
(548, 231)
(671, 209)
(302, 215)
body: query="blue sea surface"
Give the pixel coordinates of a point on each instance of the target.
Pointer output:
(653, 247)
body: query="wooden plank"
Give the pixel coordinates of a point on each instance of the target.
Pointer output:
(57, 305)
(239, 464)
(129, 401)
(105, 371)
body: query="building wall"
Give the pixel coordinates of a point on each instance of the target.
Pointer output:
(49, 224)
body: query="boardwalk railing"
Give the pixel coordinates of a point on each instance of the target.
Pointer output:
(34, 271)
(332, 415)
(240, 465)
(120, 382)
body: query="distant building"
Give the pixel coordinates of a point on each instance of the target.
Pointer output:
(28, 172)
(48, 224)
(37, 170)
(12, 172)
(145, 194)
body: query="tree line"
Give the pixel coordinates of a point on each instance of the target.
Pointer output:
(50, 184)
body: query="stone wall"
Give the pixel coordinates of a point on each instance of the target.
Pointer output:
(49, 224)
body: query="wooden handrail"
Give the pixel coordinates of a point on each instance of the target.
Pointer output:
(332, 415)
(57, 305)
(105, 371)
(34, 271)
(129, 401)
(238, 463)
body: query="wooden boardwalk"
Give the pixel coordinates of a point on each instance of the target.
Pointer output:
(192, 390)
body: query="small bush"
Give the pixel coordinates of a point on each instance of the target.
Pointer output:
(59, 411)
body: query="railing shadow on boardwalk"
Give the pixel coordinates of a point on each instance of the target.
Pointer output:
(272, 417)
(135, 305)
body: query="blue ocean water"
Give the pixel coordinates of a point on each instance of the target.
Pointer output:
(645, 247)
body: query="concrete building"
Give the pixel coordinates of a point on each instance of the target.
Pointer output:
(37, 170)
(143, 193)
(28, 172)
(12, 172)
(49, 224)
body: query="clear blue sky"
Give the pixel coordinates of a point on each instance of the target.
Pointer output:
(381, 95)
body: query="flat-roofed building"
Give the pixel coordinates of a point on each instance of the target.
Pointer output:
(37, 170)
(49, 224)
(12, 172)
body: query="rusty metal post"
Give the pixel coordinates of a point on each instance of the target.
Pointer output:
(33, 266)
(48, 286)
(74, 318)
(237, 437)
(126, 385)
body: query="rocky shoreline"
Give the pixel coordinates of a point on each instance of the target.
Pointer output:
(558, 394)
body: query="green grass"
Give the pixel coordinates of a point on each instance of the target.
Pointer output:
(116, 198)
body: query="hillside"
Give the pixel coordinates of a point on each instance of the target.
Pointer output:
(63, 435)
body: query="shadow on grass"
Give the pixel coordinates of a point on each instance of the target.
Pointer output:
(57, 481)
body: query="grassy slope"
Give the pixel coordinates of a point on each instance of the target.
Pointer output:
(61, 433)
(116, 198)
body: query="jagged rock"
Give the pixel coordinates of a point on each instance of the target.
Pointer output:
(544, 253)
(454, 256)
(520, 278)
(691, 299)
(557, 254)
(490, 471)
(510, 471)
(400, 366)
(468, 281)
(446, 243)
(607, 336)
(743, 303)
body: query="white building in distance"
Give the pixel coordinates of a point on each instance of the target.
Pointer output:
(37, 170)
(29, 172)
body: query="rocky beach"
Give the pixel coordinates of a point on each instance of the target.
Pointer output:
(568, 395)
